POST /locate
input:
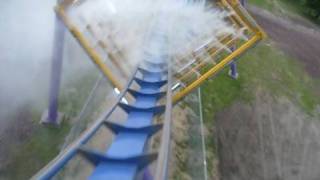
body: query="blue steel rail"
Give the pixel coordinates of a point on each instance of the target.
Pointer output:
(126, 156)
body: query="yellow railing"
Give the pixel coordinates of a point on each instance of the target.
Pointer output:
(240, 19)
(95, 57)
(201, 68)
(216, 68)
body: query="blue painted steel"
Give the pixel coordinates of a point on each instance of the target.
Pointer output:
(140, 109)
(233, 67)
(145, 71)
(131, 142)
(243, 2)
(147, 175)
(96, 157)
(56, 67)
(158, 64)
(137, 93)
(117, 128)
(62, 159)
(148, 81)
(233, 70)
(126, 157)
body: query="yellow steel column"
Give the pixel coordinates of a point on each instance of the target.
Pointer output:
(216, 68)
(86, 46)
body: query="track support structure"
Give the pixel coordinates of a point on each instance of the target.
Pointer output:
(52, 116)
(233, 72)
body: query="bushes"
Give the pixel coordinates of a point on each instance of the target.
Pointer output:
(313, 8)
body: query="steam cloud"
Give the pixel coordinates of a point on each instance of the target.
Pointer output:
(127, 24)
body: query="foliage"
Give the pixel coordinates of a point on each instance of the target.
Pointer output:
(313, 8)
(45, 143)
(306, 8)
(29, 157)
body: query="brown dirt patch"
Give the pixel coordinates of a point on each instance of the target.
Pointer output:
(15, 133)
(269, 139)
(294, 38)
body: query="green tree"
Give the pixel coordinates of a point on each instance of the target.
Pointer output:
(313, 8)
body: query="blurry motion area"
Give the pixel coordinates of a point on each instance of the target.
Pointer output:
(154, 54)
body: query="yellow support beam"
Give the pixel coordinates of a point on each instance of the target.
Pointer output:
(115, 60)
(202, 63)
(245, 19)
(244, 16)
(241, 16)
(217, 68)
(65, 3)
(94, 56)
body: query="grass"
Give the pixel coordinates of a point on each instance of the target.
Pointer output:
(269, 68)
(263, 4)
(295, 7)
(272, 5)
(75, 93)
(262, 67)
(36, 152)
(44, 142)
(290, 8)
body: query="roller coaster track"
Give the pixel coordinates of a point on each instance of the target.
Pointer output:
(153, 88)
(126, 156)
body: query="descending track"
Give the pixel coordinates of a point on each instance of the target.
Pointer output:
(128, 154)
(150, 86)
(119, 161)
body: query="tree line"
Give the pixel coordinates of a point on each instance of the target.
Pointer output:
(313, 8)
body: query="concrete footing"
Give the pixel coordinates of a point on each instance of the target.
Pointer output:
(46, 121)
(233, 75)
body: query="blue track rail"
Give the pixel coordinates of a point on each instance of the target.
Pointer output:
(127, 155)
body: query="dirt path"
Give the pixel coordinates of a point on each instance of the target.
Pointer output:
(294, 37)
(269, 139)
(272, 138)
